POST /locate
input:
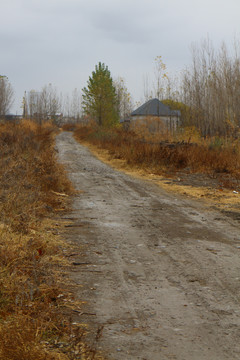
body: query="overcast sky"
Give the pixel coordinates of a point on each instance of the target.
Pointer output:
(61, 41)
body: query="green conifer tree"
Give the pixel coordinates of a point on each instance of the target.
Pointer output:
(99, 97)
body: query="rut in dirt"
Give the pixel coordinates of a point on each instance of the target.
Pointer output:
(160, 274)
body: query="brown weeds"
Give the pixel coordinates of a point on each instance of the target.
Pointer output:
(28, 174)
(34, 317)
(165, 153)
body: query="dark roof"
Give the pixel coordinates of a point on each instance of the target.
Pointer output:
(154, 107)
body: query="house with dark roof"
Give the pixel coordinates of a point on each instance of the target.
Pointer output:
(156, 116)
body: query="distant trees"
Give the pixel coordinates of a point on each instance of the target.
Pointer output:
(207, 92)
(100, 98)
(76, 104)
(6, 95)
(124, 99)
(211, 90)
(42, 105)
(163, 85)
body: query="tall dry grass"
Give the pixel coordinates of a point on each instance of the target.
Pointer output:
(29, 174)
(165, 153)
(35, 321)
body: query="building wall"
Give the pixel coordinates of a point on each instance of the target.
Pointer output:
(155, 123)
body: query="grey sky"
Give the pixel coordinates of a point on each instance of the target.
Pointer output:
(60, 41)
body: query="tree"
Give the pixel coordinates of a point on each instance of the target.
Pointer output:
(211, 89)
(6, 95)
(124, 99)
(162, 85)
(76, 104)
(99, 97)
(161, 78)
(147, 93)
(42, 105)
(49, 102)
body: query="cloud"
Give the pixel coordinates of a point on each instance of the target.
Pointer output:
(120, 29)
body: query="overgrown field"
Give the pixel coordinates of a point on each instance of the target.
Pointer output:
(185, 151)
(35, 319)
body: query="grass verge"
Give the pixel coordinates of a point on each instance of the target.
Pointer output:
(206, 169)
(163, 156)
(35, 303)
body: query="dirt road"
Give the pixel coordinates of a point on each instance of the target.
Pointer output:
(160, 273)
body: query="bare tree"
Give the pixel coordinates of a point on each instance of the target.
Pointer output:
(49, 102)
(163, 86)
(42, 105)
(124, 99)
(76, 102)
(161, 78)
(6, 95)
(211, 89)
(32, 104)
(147, 93)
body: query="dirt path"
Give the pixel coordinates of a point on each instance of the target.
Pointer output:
(160, 274)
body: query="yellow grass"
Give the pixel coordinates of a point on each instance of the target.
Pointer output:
(35, 301)
(221, 198)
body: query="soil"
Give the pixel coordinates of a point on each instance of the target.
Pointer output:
(159, 272)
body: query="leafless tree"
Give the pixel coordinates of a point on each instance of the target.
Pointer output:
(76, 105)
(124, 99)
(160, 78)
(42, 105)
(6, 95)
(147, 93)
(211, 89)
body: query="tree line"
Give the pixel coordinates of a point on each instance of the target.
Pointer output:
(104, 100)
(211, 90)
(207, 94)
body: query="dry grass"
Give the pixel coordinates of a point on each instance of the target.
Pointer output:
(169, 154)
(21, 339)
(35, 321)
(29, 175)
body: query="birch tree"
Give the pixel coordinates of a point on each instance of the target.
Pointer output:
(211, 89)
(6, 95)
(124, 99)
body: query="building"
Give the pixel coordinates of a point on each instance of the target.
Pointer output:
(156, 116)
